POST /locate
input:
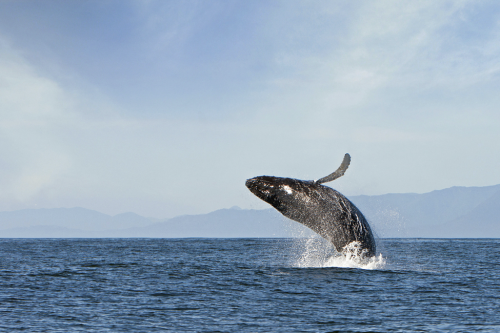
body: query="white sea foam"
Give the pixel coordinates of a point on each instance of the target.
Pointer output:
(317, 252)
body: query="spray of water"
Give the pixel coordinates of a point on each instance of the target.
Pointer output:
(317, 252)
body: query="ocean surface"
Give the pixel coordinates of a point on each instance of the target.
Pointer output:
(247, 285)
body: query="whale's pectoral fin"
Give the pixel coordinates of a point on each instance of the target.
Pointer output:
(338, 173)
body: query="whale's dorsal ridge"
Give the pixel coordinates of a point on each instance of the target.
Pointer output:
(338, 173)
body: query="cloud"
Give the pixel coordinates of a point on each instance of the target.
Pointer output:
(174, 105)
(375, 135)
(63, 148)
(32, 108)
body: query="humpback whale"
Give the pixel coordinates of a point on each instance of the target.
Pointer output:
(320, 208)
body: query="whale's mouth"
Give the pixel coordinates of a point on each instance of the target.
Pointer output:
(263, 187)
(258, 187)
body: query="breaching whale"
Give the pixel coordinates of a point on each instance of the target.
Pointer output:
(320, 208)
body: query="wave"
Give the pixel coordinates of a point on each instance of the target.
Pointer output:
(315, 252)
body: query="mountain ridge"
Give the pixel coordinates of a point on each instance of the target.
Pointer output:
(453, 212)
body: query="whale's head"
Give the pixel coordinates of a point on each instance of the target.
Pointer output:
(281, 193)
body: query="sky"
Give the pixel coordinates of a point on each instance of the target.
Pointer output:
(165, 108)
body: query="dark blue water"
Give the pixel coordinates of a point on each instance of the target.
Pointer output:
(246, 285)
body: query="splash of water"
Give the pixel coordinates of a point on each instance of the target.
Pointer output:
(317, 252)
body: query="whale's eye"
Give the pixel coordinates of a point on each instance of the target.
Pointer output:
(287, 189)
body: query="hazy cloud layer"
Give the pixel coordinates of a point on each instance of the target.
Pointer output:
(165, 108)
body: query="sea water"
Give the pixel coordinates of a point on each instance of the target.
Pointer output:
(247, 285)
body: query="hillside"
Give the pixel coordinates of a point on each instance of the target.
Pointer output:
(453, 212)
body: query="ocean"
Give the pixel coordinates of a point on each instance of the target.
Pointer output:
(247, 285)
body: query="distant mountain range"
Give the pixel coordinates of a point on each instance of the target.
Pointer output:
(453, 212)
(458, 212)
